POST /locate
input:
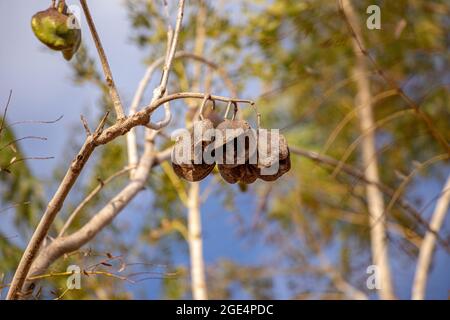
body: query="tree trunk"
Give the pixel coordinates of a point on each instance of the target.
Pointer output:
(429, 242)
(198, 282)
(374, 196)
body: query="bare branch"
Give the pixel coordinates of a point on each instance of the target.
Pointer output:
(85, 125)
(365, 134)
(50, 213)
(14, 206)
(14, 161)
(34, 122)
(408, 179)
(358, 44)
(171, 53)
(359, 174)
(172, 41)
(131, 136)
(90, 196)
(21, 139)
(106, 68)
(100, 220)
(64, 245)
(99, 137)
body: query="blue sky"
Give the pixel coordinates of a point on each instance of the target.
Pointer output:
(43, 90)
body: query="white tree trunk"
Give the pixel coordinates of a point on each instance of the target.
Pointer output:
(374, 196)
(198, 282)
(429, 242)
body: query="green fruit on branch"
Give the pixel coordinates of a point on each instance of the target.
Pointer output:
(54, 28)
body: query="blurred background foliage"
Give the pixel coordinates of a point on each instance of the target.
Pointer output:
(295, 59)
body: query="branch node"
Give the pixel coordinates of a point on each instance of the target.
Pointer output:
(101, 125)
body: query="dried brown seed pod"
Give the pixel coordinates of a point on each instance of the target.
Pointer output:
(194, 173)
(189, 169)
(267, 154)
(200, 140)
(231, 175)
(244, 173)
(250, 174)
(284, 167)
(231, 131)
(284, 148)
(197, 144)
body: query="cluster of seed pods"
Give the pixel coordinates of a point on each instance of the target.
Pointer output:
(244, 171)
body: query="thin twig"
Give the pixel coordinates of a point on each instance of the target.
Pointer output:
(90, 196)
(161, 90)
(408, 179)
(14, 206)
(34, 122)
(172, 40)
(369, 130)
(423, 116)
(21, 139)
(168, 64)
(350, 115)
(85, 125)
(359, 174)
(24, 159)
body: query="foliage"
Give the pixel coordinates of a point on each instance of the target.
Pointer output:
(295, 58)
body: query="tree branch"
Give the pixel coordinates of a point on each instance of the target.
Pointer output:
(49, 215)
(131, 136)
(359, 46)
(105, 65)
(100, 220)
(90, 196)
(171, 53)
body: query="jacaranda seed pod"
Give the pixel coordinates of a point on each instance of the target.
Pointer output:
(231, 175)
(231, 131)
(53, 28)
(284, 167)
(194, 172)
(268, 156)
(250, 174)
(193, 168)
